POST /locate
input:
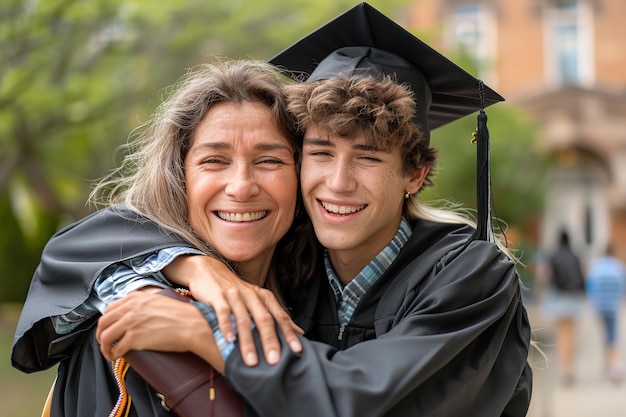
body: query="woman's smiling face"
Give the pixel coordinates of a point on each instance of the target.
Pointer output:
(241, 183)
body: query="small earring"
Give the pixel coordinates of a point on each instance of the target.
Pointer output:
(407, 195)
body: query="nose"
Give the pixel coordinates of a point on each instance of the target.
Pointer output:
(340, 177)
(241, 184)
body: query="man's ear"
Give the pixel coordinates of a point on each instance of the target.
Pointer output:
(417, 179)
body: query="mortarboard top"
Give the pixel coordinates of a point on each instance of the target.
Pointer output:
(364, 40)
(451, 92)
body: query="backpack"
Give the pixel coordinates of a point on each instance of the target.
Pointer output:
(567, 274)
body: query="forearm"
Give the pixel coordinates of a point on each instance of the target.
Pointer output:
(457, 338)
(204, 344)
(157, 321)
(117, 281)
(70, 264)
(436, 375)
(368, 379)
(189, 269)
(216, 284)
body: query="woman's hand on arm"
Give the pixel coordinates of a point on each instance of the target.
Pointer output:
(148, 321)
(214, 283)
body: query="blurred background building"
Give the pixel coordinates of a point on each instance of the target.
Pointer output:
(562, 61)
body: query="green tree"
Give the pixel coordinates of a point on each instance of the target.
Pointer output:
(517, 166)
(77, 76)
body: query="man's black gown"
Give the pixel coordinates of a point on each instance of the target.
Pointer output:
(442, 333)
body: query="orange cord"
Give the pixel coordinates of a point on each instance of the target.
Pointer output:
(122, 406)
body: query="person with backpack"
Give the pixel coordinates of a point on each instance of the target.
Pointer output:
(564, 302)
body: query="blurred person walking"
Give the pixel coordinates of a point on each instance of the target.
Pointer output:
(606, 287)
(564, 301)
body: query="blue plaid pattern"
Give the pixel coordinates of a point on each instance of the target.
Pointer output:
(348, 297)
(120, 279)
(225, 347)
(116, 281)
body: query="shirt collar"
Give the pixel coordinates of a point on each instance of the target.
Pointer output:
(349, 296)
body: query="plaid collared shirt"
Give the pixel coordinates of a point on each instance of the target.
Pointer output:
(348, 297)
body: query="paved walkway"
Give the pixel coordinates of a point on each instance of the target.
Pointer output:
(592, 395)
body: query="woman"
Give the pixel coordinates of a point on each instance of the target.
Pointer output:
(217, 164)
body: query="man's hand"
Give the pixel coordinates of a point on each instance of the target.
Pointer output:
(214, 283)
(143, 320)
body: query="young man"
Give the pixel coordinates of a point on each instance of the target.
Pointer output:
(417, 315)
(409, 312)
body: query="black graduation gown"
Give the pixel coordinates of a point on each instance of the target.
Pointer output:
(448, 320)
(86, 386)
(442, 333)
(70, 263)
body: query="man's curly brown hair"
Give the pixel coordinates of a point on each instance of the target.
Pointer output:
(378, 108)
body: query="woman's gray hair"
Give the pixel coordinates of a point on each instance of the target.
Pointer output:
(151, 178)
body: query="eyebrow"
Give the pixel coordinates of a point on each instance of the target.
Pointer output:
(273, 147)
(318, 142)
(331, 144)
(268, 146)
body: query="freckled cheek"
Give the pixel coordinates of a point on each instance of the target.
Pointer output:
(309, 177)
(386, 184)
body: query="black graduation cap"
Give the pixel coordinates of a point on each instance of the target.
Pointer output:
(364, 40)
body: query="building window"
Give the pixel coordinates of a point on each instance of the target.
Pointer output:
(472, 27)
(568, 52)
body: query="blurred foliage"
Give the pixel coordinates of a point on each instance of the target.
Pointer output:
(77, 76)
(517, 166)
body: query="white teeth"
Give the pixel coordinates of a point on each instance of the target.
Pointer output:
(242, 217)
(335, 209)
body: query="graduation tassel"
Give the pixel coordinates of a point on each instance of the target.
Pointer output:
(484, 227)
